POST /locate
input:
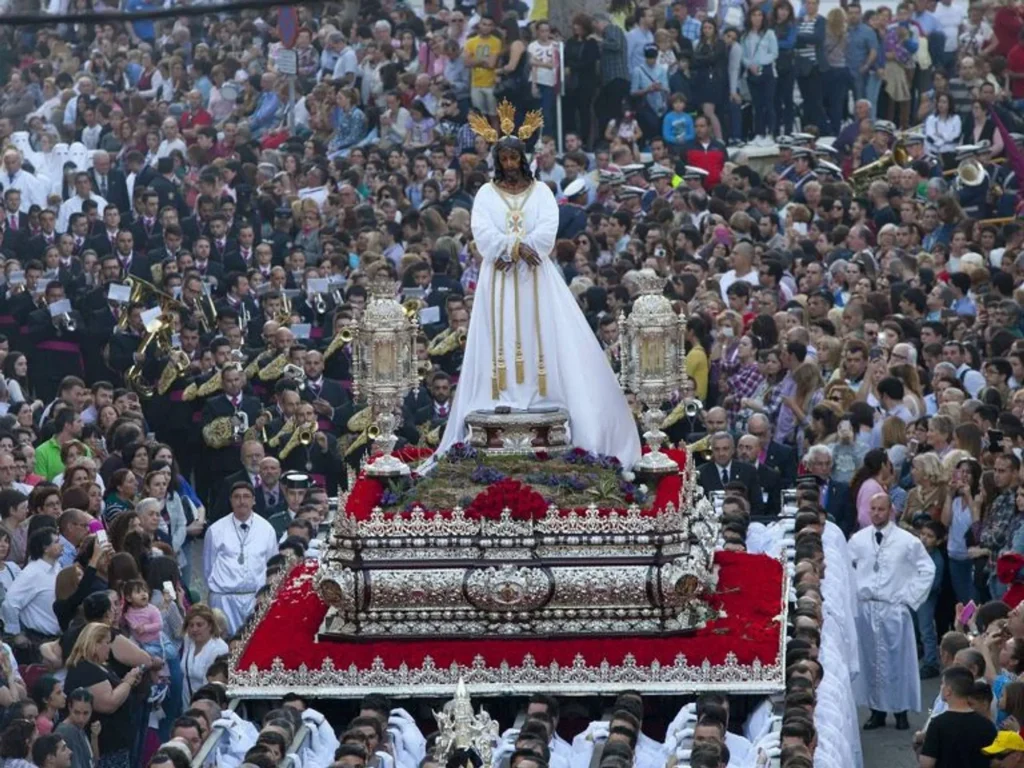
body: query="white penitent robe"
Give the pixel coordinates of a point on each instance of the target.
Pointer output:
(578, 376)
(893, 579)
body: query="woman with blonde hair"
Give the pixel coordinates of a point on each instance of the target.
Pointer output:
(830, 356)
(837, 78)
(839, 392)
(203, 644)
(111, 696)
(913, 396)
(894, 439)
(809, 392)
(927, 498)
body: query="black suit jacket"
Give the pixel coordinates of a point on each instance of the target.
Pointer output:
(37, 245)
(226, 461)
(222, 506)
(16, 239)
(169, 194)
(147, 241)
(141, 266)
(117, 190)
(710, 478)
(771, 489)
(101, 244)
(783, 459)
(339, 399)
(840, 506)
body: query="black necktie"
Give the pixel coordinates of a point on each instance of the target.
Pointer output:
(245, 526)
(878, 537)
(725, 476)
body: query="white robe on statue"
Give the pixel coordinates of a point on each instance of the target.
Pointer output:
(578, 375)
(893, 579)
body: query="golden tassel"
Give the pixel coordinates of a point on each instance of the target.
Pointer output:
(520, 367)
(502, 370)
(495, 388)
(542, 371)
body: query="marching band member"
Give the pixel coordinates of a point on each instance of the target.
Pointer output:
(226, 418)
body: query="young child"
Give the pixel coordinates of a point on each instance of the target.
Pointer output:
(677, 125)
(933, 534)
(144, 620)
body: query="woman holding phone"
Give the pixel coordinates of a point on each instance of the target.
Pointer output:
(961, 512)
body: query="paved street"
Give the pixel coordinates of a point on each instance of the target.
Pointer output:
(889, 748)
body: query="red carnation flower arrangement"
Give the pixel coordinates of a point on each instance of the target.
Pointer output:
(522, 501)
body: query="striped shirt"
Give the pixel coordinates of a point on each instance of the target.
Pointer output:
(807, 49)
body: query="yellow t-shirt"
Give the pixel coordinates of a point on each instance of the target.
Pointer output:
(481, 49)
(698, 369)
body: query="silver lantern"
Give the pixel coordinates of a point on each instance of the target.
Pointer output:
(653, 362)
(384, 369)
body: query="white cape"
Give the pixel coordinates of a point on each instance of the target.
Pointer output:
(579, 377)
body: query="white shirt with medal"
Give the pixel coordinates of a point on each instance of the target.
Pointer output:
(235, 556)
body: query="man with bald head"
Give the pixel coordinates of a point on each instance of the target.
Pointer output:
(893, 574)
(716, 420)
(109, 182)
(779, 457)
(748, 449)
(724, 469)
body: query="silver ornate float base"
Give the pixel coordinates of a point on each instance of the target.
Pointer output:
(514, 431)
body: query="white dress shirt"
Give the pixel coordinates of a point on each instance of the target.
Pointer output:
(74, 205)
(29, 601)
(227, 543)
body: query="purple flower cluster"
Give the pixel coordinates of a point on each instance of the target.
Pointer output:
(572, 482)
(484, 475)
(587, 459)
(461, 452)
(388, 499)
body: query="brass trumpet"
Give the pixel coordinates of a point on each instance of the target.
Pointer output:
(412, 308)
(306, 434)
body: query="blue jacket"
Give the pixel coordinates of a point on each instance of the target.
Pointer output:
(266, 109)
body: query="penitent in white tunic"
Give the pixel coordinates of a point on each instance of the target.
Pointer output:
(578, 376)
(235, 563)
(893, 579)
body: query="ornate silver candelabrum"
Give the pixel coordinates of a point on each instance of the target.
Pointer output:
(653, 353)
(384, 369)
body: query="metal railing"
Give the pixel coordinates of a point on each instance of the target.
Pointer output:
(301, 736)
(213, 739)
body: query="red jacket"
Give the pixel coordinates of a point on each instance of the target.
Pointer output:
(711, 158)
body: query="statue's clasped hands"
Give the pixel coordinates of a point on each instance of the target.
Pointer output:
(522, 252)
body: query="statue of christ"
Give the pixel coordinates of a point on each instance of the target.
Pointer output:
(529, 345)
